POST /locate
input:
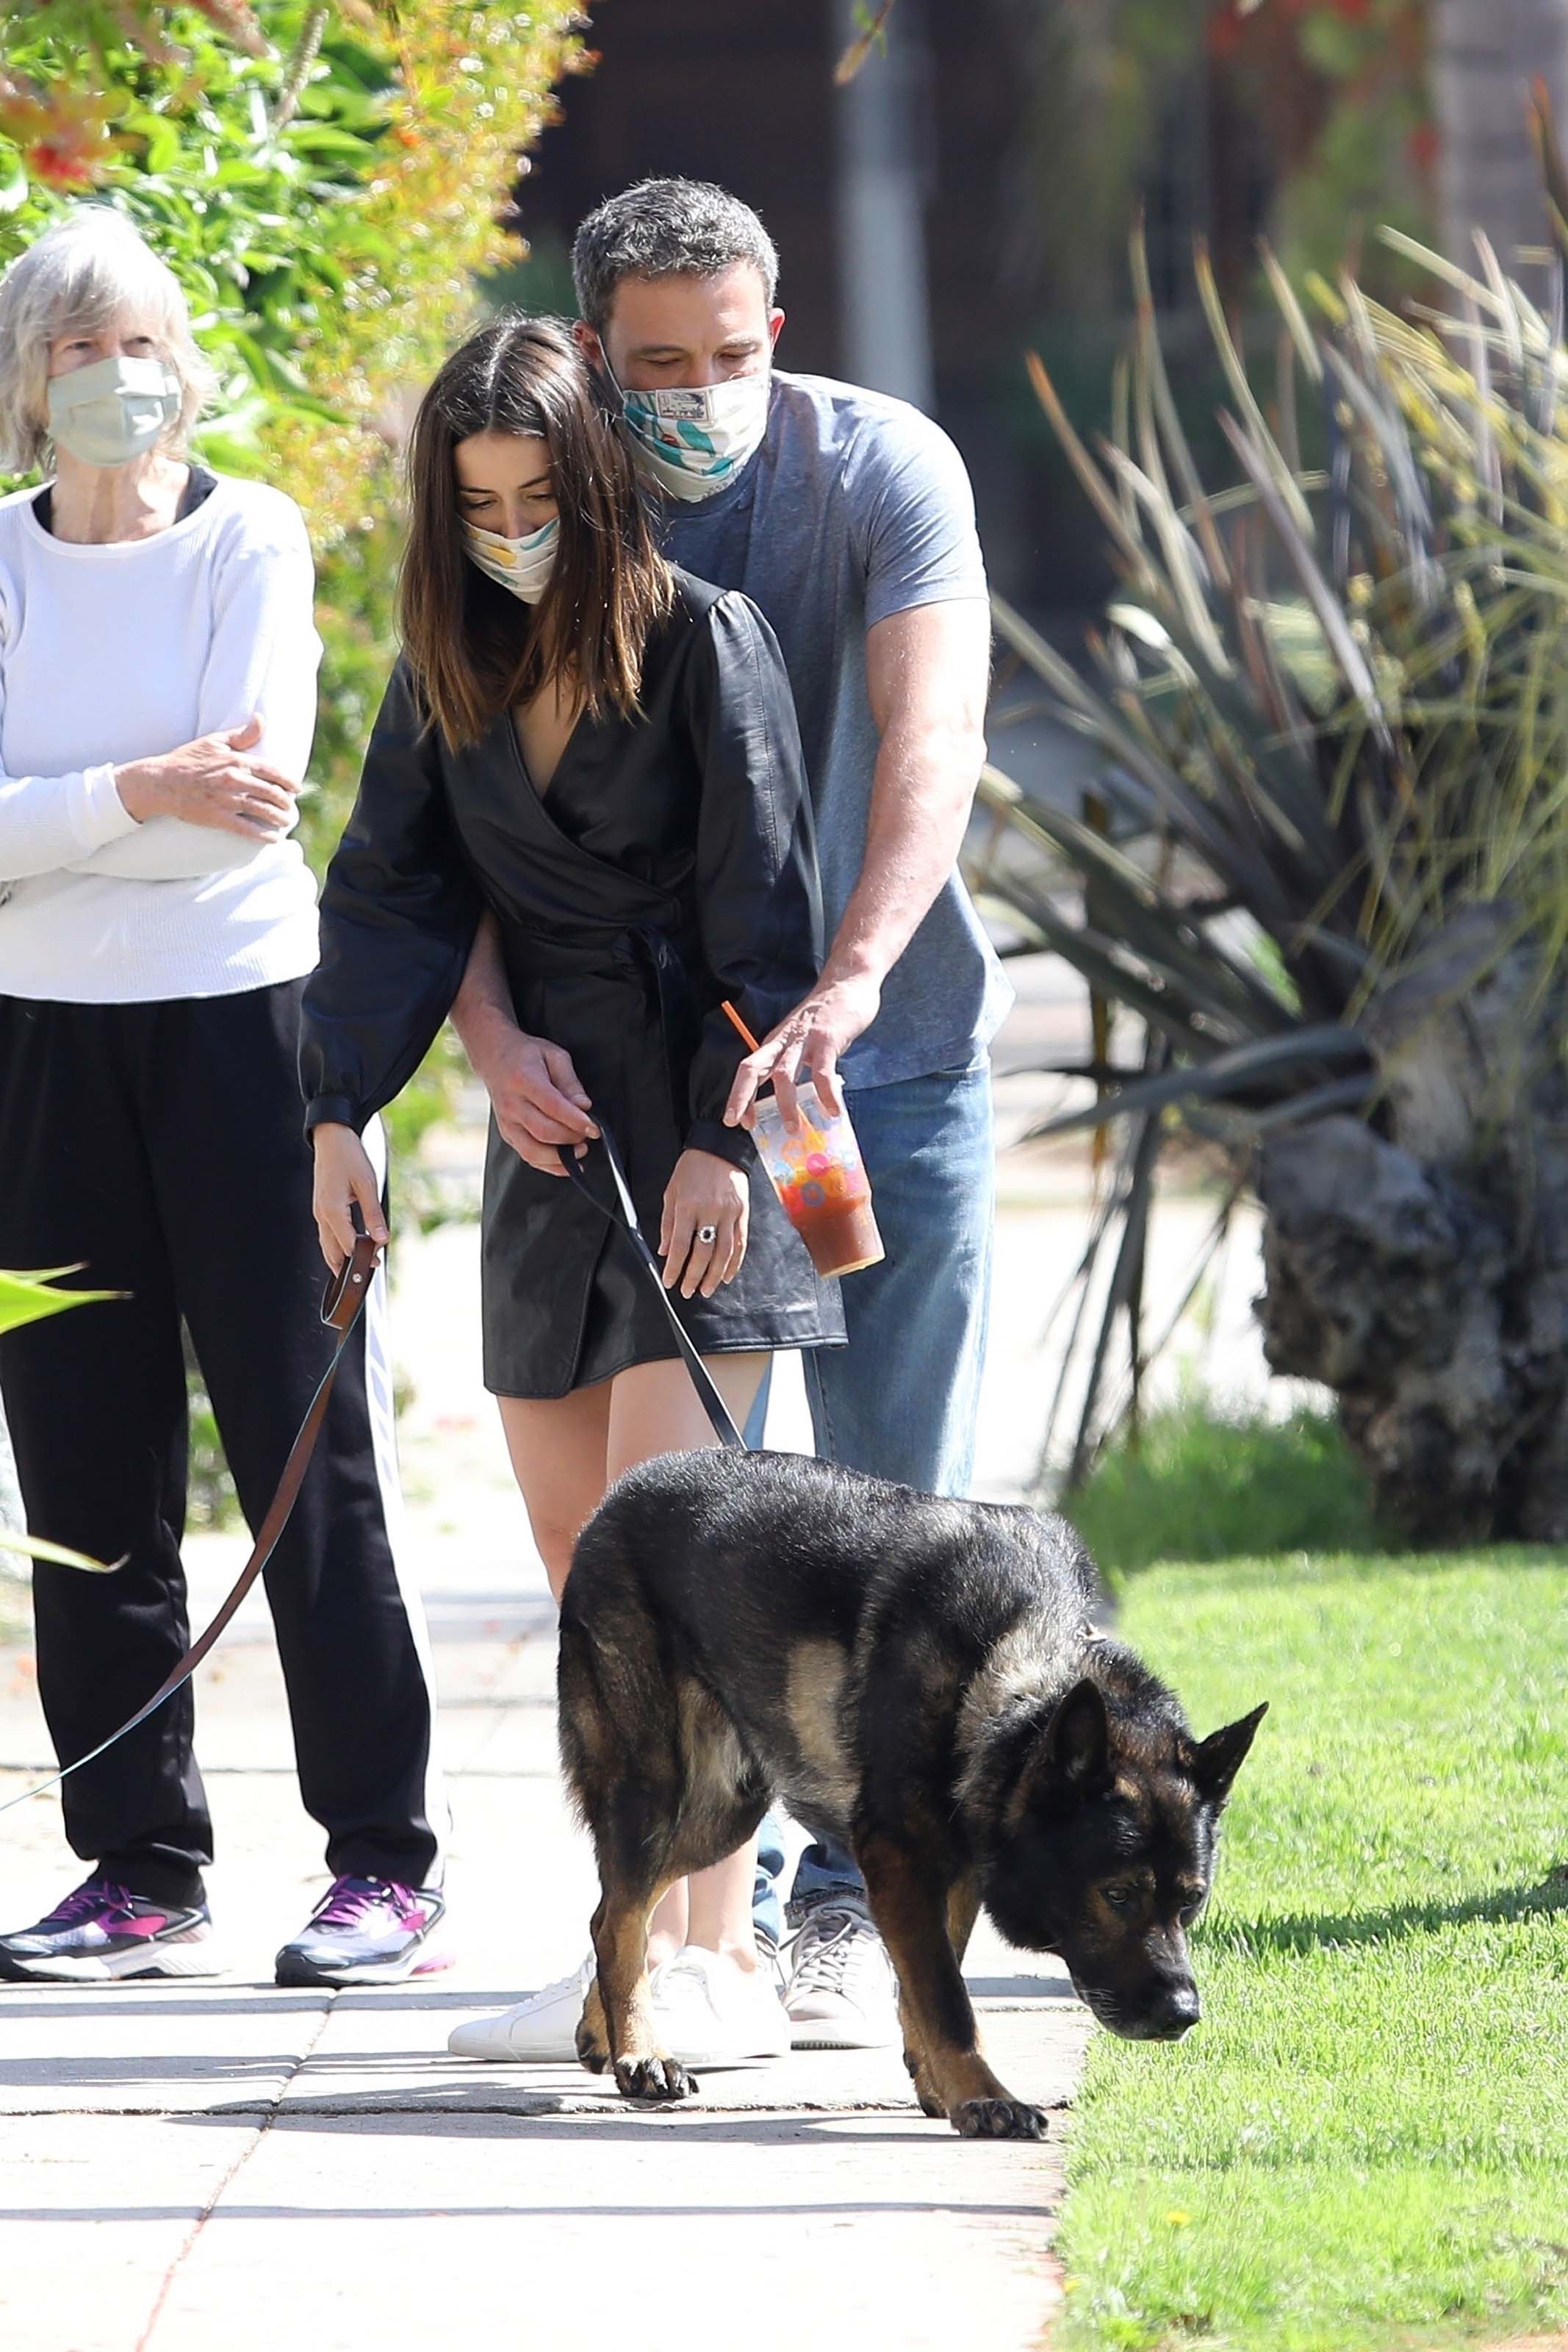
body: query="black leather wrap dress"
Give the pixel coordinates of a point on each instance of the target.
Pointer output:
(668, 866)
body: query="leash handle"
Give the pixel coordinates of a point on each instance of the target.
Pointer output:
(348, 1289)
(708, 1397)
(341, 1310)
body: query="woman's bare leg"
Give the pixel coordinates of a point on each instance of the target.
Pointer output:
(669, 1923)
(559, 1448)
(653, 1409)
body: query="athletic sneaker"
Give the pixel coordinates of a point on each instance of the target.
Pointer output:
(540, 2028)
(709, 2012)
(704, 2009)
(769, 1960)
(103, 1931)
(842, 1993)
(366, 1931)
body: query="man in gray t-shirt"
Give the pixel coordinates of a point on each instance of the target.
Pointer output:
(848, 518)
(856, 511)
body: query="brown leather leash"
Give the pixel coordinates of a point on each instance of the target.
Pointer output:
(341, 1310)
(708, 1397)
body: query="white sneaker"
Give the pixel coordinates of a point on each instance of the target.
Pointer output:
(708, 2012)
(542, 2026)
(842, 1992)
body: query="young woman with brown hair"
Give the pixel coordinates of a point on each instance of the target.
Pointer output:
(601, 751)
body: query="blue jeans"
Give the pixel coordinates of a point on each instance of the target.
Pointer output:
(900, 1399)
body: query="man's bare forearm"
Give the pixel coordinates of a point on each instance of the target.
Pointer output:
(921, 801)
(927, 673)
(483, 1012)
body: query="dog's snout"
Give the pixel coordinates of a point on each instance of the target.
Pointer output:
(1176, 2011)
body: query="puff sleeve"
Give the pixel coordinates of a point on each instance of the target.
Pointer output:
(398, 911)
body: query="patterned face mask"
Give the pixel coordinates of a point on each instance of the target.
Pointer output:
(693, 440)
(523, 565)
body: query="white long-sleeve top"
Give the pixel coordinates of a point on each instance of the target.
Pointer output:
(119, 652)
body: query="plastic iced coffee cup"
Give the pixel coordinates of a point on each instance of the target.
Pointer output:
(820, 1180)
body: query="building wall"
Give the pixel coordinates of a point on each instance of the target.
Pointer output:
(743, 94)
(738, 93)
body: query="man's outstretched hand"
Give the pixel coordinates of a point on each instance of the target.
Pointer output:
(537, 1099)
(811, 1040)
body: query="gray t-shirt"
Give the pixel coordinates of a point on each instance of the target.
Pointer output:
(856, 506)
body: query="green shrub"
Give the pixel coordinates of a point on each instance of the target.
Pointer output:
(330, 185)
(1204, 1483)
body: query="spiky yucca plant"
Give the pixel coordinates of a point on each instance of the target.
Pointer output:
(1332, 702)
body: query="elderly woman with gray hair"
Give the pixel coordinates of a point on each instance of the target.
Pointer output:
(158, 666)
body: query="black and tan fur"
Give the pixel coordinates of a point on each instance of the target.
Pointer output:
(917, 1678)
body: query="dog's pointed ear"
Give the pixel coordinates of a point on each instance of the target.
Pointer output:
(1217, 1760)
(1078, 1741)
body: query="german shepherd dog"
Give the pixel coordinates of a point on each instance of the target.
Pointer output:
(916, 1678)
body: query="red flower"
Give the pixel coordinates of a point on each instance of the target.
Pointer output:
(60, 163)
(1423, 146)
(63, 136)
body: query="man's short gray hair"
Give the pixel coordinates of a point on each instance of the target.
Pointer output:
(88, 274)
(666, 229)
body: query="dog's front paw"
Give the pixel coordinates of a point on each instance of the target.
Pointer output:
(653, 2081)
(999, 2119)
(592, 2050)
(924, 2092)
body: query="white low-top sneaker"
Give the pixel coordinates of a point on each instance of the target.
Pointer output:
(842, 1992)
(708, 2012)
(542, 2026)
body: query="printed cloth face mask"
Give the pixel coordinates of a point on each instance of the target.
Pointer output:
(693, 440)
(523, 565)
(112, 411)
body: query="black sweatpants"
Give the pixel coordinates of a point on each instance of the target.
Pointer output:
(162, 1144)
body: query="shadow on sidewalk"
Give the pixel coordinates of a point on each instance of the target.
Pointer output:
(250, 2000)
(544, 2117)
(864, 2208)
(59, 2003)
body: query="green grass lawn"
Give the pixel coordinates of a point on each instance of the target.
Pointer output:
(1365, 2143)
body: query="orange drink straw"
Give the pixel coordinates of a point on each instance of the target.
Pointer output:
(740, 1024)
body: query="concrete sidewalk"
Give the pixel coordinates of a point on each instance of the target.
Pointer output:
(227, 2164)
(189, 2165)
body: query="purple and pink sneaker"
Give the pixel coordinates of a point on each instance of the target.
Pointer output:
(103, 1931)
(366, 1931)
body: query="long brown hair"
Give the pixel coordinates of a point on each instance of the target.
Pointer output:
(474, 649)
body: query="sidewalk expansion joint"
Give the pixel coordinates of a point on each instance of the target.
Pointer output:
(148, 2114)
(267, 2115)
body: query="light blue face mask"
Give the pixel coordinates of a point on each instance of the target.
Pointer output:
(115, 410)
(693, 439)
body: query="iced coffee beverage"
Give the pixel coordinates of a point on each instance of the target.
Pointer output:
(818, 1176)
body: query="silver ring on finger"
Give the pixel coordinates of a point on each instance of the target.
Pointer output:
(707, 1235)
